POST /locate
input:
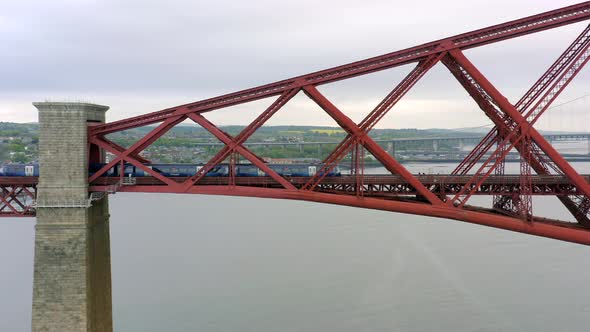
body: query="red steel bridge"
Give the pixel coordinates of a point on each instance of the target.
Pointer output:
(543, 171)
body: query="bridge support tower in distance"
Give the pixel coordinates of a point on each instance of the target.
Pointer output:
(72, 272)
(391, 148)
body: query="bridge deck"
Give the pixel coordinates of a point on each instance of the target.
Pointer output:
(18, 180)
(18, 193)
(370, 185)
(373, 179)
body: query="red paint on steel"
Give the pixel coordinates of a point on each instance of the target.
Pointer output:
(226, 139)
(17, 195)
(415, 194)
(523, 128)
(496, 33)
(378, 152)
(373, 118)
(560, 231)
(542, 84)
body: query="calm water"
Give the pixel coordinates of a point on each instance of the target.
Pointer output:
(198, 263)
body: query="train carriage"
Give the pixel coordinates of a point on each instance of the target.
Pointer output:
(177, 170)
(19, 170)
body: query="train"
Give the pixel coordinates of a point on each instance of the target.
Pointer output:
(179, 170)
(19, 170)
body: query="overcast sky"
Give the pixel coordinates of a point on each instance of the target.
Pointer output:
(143, 56)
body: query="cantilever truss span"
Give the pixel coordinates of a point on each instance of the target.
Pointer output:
(514, 130)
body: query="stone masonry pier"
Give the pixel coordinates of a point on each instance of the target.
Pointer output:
(72, 272)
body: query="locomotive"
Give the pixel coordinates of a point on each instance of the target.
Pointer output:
(180, 170)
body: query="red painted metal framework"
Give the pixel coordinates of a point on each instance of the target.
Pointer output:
(513, 129)
(17, 196)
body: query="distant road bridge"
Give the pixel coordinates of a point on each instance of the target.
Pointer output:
(391, 145)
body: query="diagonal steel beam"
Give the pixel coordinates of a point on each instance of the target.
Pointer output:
(554, 70)
(539, 164)
(492, 34)
(7, 203)
(13, 197)
(4, 194)
(353, 129)
(551, 75)
(522, 128)
(374, 117)
(242, 137)
(122, 149)
(136, 148)
(134, 162)
(15, 191)
(230, 142)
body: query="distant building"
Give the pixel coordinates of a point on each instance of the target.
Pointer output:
(286, 161)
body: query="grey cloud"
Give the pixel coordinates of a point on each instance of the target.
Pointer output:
(204, 48)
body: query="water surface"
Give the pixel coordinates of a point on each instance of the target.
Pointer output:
(204, 263)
